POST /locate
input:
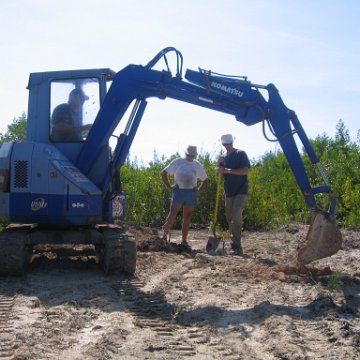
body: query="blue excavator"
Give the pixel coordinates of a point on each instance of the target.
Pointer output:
(62, 185)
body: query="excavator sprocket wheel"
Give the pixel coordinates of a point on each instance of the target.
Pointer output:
(323, 239)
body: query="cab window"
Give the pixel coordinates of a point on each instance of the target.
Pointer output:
(73, 108)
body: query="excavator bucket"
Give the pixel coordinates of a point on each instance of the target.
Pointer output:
(323, 239)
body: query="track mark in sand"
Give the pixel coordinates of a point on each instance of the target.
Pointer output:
(7, 336)
(151, 310)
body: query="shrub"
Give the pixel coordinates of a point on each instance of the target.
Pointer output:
(275, 198)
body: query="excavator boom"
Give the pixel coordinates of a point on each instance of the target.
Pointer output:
(235, 96)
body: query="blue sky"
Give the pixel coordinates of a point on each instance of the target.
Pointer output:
(310, 50)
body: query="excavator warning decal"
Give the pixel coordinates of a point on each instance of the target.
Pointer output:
(118, 206)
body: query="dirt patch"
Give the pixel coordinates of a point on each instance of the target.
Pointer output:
(183, 304)
(156, 243)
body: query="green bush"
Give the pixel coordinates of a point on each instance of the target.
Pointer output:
(275, 198)
(147, 198)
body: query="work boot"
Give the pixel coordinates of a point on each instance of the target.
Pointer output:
(236, 248)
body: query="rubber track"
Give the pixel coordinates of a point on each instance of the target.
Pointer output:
(119, 252)
(7, 333)
(151, 310)
(12, 252)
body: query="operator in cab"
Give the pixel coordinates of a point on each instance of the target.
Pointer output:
(67, 118)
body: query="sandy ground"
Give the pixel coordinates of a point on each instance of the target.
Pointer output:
(187, 305)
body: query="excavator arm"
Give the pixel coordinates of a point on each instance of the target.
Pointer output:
(235, 96)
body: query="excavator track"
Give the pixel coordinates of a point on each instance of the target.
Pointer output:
(12, 251)
(151, 310)
(7, 333)
(118, 255)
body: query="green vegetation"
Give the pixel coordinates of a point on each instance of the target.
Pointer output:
(16, 130)
(334, 282)
(275, 198)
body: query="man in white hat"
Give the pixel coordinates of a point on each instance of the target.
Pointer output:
(186, 173)
(235, 169)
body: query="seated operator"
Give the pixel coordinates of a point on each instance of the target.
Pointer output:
(67, 119)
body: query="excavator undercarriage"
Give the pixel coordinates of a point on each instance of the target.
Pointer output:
(114, 249)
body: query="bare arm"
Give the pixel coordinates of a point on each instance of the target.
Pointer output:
(202, 186)
(164, 176)
(239, 171)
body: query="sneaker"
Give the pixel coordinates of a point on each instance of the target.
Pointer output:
(237, 249)
(238, 252)
(185, 247)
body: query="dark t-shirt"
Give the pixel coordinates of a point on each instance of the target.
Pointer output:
(235, 184)
(64, 114)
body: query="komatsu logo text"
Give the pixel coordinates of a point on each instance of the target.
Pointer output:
(227, 89)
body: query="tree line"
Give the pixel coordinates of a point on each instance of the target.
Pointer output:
(274, 196)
